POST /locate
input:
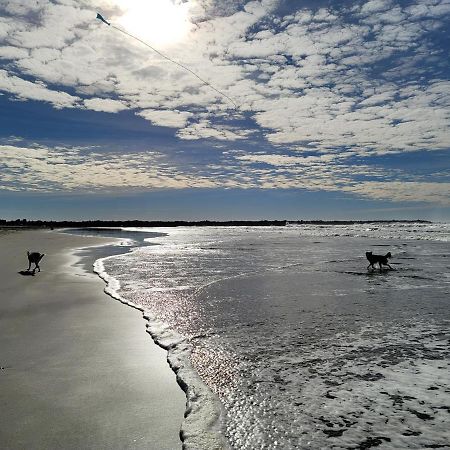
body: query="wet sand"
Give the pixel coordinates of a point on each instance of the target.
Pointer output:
(78, 370)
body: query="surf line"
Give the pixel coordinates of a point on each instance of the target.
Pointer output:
(207, 83)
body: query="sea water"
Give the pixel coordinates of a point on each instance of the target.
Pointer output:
(282, 338)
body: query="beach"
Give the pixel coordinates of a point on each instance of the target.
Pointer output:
(281, 338)
(78, 369)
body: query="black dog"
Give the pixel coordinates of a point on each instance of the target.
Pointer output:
(380, 259)
(34, 258)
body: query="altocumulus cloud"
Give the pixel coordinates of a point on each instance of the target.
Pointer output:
(37, 168)
(328, 91)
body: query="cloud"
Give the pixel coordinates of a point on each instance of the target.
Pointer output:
(344, 81)
(40, 168)
(174, 119)
(285, 160)
(410, 191)
(374, 6)
(24, 89)
(269, 64)
(47, 169)
(204, 130)
(14, 53)
(104, 104)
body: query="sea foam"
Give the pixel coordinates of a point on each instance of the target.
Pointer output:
(202, 428)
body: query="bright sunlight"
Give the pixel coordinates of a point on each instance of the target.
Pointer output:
(159, 22)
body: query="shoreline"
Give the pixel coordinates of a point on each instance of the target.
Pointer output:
(202, 427)
(78, 370)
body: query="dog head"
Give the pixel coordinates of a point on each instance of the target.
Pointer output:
(368, 255)
(388, 255)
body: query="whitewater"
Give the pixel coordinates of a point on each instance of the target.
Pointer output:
(281, 337)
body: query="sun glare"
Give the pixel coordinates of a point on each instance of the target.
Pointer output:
(159, 22)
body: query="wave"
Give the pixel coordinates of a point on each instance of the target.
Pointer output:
(404, 230)
(203, 425)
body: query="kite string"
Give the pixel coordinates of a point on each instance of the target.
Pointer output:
(178, 64)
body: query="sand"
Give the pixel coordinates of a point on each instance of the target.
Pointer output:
(78, 370)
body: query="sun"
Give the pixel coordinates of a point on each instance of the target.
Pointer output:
(159, 22)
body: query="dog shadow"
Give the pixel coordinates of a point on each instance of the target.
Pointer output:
(27, 273)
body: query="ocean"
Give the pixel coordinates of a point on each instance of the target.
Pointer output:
(283, 339)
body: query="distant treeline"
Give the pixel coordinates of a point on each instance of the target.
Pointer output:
(183, 223)
(136, 223)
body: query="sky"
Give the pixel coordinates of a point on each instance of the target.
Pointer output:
(332, 109)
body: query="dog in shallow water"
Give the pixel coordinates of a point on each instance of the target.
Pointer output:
(34, 258)
(380, 259)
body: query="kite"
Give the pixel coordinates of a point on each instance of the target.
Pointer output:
(102, 19)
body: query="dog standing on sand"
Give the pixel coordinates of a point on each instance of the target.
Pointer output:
(380, 259)
(34, 258)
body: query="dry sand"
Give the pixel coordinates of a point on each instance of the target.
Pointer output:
(78, 370)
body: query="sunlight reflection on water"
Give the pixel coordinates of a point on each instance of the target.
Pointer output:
(304, 346)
